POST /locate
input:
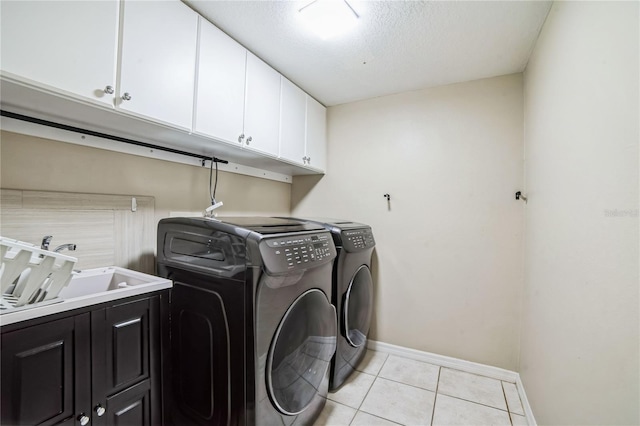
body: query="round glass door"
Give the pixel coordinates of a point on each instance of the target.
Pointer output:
(358, 305)
(301, 352)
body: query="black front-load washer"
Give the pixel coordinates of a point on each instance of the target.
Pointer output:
(352, 293)
(253, 331)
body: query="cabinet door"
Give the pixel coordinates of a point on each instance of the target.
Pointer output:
(67, 45)
(120, 338)
(46, 373)
(292, 122)
(158, 60)
(316, 134)
(131, 407)
(126, 350)
(219, 111)
(261, 107)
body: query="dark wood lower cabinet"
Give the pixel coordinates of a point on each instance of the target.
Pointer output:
(44, 372)
(131, 406)
(101, 367)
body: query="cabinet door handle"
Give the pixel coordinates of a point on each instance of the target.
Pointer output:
(109, 90)
(126, 96)
(249, 139)
(100, 410)
(240, 138)
(308, 160)
(83, 419)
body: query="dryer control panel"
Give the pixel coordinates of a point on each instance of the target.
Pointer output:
(357, 239)
(286, 253)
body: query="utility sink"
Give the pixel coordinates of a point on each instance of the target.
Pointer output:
(90, 287)
(101, 280)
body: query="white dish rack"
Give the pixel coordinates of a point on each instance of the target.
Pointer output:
(31, 276)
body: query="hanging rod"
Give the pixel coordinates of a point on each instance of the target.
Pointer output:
(34, 120)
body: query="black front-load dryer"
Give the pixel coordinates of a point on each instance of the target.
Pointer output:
(352, 293)
(253, 331)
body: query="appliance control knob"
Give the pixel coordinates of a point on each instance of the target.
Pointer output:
(83, 419)
(109, 90)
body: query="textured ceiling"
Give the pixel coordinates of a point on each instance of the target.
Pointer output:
(395, 47)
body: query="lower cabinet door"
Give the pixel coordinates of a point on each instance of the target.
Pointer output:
(46, 373)
(121, 341)
(131, 407)
(125, 359)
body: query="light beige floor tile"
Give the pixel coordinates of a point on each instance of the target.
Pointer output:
(335, 414)
(472, 387)
(457, 412)
(519, 420)
(364, 419)
(372, 362)
(410, 372)
(513, 399)
(399, 403)
(354, 389)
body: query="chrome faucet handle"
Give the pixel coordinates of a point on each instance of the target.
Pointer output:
(70, 247)
(45, 242)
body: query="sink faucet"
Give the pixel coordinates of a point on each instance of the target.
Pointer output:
(45, 242)
(70, 247)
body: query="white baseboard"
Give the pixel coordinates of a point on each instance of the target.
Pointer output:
(445, 361)
(459, 364)
(525, 402)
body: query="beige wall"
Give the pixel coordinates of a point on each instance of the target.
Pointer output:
(448, 262)
(580, 336)
(40, 164)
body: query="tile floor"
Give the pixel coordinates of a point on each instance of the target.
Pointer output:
(391, 390)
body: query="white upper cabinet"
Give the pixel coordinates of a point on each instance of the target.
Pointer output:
(293, 107)
(237, 95)
(302, 128)
(219, 111)
(69, 46)
(261, 106)
(122, 60)
(158, 60)
(316, 147)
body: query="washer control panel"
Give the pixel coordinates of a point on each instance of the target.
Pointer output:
(287, 253)
(357, 239)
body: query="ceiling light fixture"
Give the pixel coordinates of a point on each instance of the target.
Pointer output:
(329, 18)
